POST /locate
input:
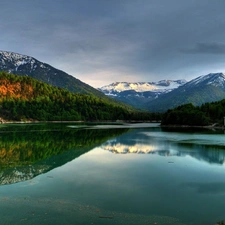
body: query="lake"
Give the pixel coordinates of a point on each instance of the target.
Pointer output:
(68, 173)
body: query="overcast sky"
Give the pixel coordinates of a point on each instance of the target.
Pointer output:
(104, 41)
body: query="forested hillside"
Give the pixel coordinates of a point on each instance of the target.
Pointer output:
(23, 65)
(206, 114)
(24, 98)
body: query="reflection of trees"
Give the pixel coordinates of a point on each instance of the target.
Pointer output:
(24, 155)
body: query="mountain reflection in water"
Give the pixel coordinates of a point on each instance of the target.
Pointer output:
(209, 148)
(27, 151)
(90, 185)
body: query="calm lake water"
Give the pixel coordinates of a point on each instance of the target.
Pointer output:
(111, 174)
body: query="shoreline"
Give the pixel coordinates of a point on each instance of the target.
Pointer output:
(188, 126)
(76, 121)
(111, 121)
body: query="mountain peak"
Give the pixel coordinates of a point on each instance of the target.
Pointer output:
(13, 55)
(160, 86)
(215, 79)
(165, 94)
(10, 61)
(24, 65)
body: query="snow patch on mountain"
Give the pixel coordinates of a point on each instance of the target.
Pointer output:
(16, 60)
(215, 79)
(162, 86)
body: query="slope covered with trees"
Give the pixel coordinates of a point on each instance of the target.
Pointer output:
(188, 114)
(24, 98)
(23, 65)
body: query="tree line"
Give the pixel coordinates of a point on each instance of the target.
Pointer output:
(188, 114)
(25, 98)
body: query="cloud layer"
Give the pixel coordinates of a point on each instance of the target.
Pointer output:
(100, 41)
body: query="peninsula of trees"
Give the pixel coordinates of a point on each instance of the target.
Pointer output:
(204, 115)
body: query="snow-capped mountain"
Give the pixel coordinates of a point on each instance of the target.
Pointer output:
(166, 94)
(162, 86)
(208, 88)
(28, 66)
(139, 93)
(11, 62)
(153, 96)
(214, 79)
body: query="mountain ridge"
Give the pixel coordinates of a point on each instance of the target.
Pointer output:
(24, 65)
(203, 89)
(151, 96)
(160, 86)
(171, 93)
(138, 94)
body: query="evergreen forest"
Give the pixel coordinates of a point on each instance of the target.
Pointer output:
(188, 114)
(24, 98)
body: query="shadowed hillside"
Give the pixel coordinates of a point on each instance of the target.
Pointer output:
(24, 98)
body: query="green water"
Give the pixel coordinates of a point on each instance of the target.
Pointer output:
(111, 174)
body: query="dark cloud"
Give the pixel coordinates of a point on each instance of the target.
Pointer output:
(102, 41)
(206, 48)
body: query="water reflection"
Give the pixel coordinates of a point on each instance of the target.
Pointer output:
(139, 186)
(206, 188)
(27, 151)
(204, 147)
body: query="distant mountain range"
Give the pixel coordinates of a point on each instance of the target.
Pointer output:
(208, 88)
(163, 86)
(150, 96)
(25, 65)
(139, 93)
(166, 94)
